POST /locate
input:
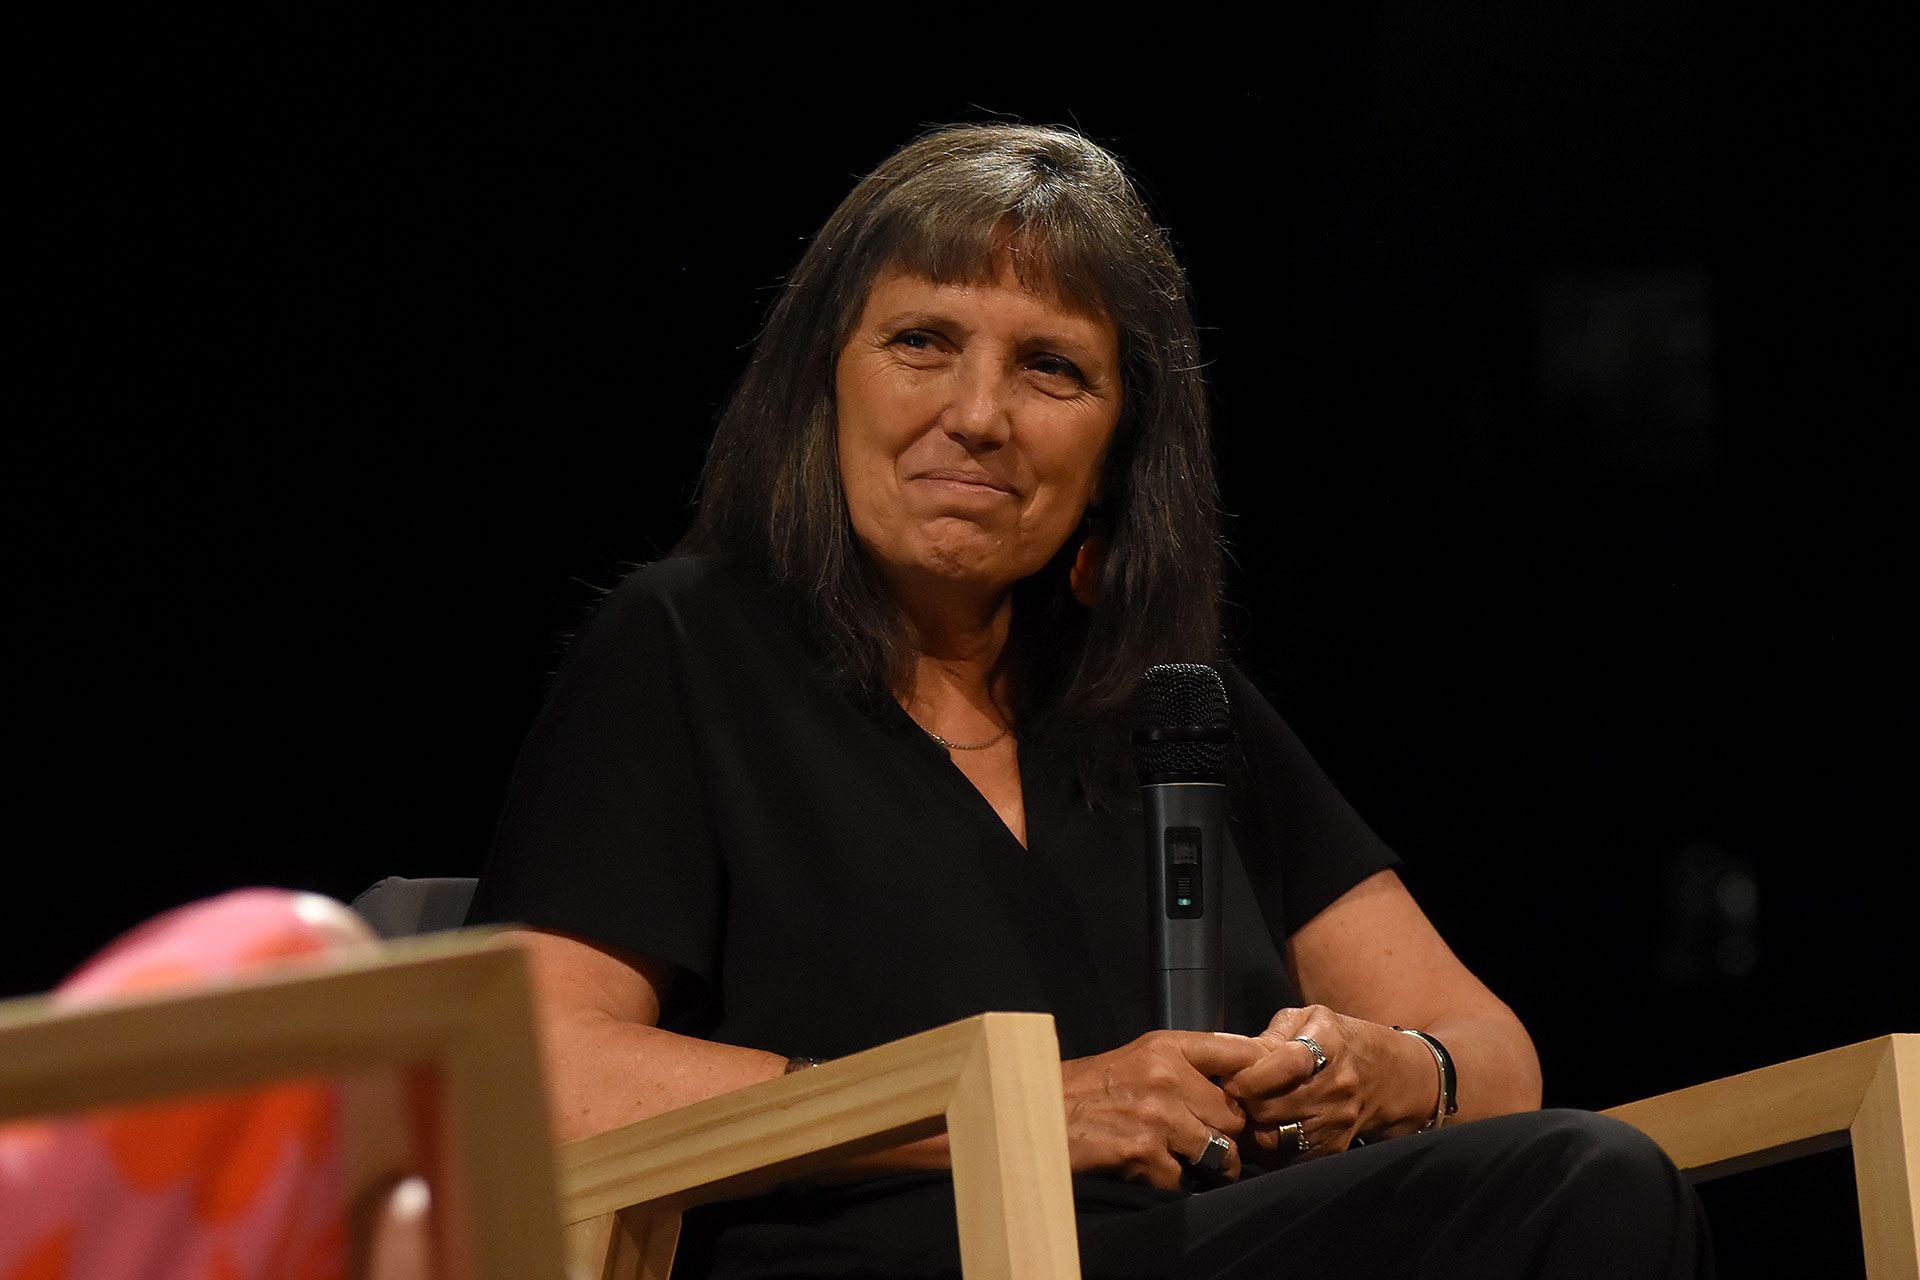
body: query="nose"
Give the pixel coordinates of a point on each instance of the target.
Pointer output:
(979, 413)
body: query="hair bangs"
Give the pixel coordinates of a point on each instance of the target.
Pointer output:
(956, 235)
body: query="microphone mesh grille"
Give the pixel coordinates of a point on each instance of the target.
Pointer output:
(1182, 696)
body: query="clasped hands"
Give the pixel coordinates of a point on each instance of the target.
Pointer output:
(1148, 1109)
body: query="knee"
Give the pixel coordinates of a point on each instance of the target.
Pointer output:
(1606, 1140)
(1586, 1154)
(1607, 1196)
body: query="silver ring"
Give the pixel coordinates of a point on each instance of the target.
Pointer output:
(1216, 1153)
(1295, 1132)
(1319, 1054)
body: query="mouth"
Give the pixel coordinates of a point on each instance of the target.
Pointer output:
(958, 481)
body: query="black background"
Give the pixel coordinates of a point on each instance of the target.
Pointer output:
(1560, 365)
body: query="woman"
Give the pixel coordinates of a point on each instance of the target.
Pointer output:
(853, 763)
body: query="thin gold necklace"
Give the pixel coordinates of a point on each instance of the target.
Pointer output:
(961, 746)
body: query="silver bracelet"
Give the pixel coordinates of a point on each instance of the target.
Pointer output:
(1443, 1062)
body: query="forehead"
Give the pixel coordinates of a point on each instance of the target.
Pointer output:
(901, 289)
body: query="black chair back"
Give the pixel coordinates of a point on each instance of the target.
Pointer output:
(398, 907)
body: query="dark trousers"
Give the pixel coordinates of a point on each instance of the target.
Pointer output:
(1557, 1193)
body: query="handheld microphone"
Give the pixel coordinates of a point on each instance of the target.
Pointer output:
(1182, 741)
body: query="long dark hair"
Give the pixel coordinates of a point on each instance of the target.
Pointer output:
(770, 492)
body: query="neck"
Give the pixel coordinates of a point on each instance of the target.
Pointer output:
(956, 642)
(955, 627)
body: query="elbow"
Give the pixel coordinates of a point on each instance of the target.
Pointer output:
(1532, 1091)
(1528, 1085)
(1507, 1066)
(574, 1103)
(569, 1114)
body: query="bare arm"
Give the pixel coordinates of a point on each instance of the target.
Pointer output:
(608, 1063)
(1374, 955)
(1367, 963)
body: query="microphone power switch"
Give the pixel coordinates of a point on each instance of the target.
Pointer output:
(1186, 893)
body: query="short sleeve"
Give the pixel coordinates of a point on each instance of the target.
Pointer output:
(1303, 843)
(606, 831)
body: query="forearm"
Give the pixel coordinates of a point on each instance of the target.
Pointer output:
(603, 1072)
(608, 1065)
(1496, 1069)
(912, 1157)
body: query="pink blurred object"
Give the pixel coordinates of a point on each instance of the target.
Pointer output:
(231, 1186)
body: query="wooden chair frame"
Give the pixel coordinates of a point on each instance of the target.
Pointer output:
(1866, 1094)
(455, 1003)
(992, 1082)
(995, 1080)
(459, 1004)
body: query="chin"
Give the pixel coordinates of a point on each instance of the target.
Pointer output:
(959, 569)
(974, 560)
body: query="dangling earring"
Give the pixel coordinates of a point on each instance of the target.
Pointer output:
(1085, 573)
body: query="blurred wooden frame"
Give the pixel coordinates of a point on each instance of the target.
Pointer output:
(459, 1005)
(991, 1081)
(1866, 1094)
(995, 1080)
(456, 1004)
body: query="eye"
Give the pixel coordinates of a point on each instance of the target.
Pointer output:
(1061, 366)
(915, 339)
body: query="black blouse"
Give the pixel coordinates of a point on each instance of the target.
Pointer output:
(826, 879)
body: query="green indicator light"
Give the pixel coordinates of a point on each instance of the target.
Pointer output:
(1186, 902)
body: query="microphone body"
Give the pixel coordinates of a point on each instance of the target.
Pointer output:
(1183, 739)
(1185, 827)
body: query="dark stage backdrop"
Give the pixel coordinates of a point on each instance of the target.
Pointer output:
(1558, 365)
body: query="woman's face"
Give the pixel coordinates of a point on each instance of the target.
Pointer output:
(972, 424)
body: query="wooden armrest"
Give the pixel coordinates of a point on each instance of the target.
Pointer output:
(456, 1002)
(1866, 1093)
(1769, 1114)
(992, 1081)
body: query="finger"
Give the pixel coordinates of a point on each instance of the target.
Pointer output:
(1208, 1101)
(1218, 1053)
(1213, 1108)
(1184, 1091)
(1278, 1073)
(1193, 1153)
(1286, 1023)
(1267, 1138)
(1277, 1107)
(1161, 1168)
(1293, 1050)
(1230, 1167)
(1178, 1142)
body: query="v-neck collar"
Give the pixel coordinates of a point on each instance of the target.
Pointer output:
(972, 799)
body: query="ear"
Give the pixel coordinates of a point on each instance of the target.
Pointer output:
(1085, 574)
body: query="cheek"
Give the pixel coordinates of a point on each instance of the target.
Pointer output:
(1080, 463)
(866, 462)
(875, 421)
(856, 474)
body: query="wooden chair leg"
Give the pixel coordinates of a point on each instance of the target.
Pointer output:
(634, 1244)
(1013, 1193)
(587, 1244)
(1886, 1163)
(379, 1148)
(645, 1244)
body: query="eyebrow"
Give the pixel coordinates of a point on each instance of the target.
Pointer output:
(916, 318)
